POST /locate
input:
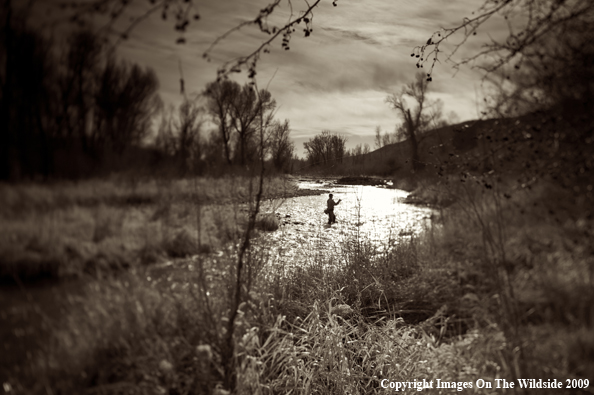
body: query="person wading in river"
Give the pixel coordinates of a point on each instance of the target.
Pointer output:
(330, 210)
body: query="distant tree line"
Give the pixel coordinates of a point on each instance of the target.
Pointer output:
(418, 113)
(64, 109)
(75, 110)
(357, 154)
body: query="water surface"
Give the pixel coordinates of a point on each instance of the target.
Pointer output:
(366, 212)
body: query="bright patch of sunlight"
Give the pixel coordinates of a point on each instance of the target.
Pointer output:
(366, 212)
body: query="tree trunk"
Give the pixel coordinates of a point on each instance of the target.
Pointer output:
(225, 137)
(6, 144)
(414, 146)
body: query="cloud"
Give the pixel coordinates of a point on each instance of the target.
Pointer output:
(353, 35)
(337, 78)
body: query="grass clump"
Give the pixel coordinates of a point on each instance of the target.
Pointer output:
(267, 222)
(181, 245)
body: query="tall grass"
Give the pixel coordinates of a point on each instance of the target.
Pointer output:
(70, 229)
(31, 197)
(493, 290)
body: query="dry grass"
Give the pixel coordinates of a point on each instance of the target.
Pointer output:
(27, 198)
(442, 306)
(65, 230)
(267, 222)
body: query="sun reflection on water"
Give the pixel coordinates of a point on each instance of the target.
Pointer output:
(366, 213)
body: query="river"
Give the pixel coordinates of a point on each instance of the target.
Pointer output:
(374, 214)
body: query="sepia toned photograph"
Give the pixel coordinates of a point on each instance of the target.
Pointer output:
(296, 197)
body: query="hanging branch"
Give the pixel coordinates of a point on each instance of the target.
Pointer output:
(251, 60)
(535, 19)
(540, 18)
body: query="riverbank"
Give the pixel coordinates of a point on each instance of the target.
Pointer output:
(70, 229)
(428, 194)
(497, 291)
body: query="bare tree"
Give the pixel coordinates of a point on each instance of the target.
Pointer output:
(356, 154)
(213, 153)
(366, 149)
(165, 140)
(246, 110)
(550, 94)
(60, 107)
(138, 102)
(220, 97)
(316, 151)
(434, 118)
(106, 99)
(26, 98)
(244, 113)
(326, 148)
(400, 132)
(280, 146)
(179, 135)
(557, 69)
(189, 143)
(338, 143)
(378, 138)
(416, 116)
(387, 139)
(383, 139)
(126, 101)
(78, 84)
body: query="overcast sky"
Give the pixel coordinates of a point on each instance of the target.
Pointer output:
(336, 79)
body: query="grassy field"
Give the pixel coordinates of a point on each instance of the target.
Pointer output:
(498, 288)
(67, 229)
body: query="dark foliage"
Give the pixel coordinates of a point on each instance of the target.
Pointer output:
(65, 113)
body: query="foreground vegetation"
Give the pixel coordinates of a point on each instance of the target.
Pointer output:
(496, 289)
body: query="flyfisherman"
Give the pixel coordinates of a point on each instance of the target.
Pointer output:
(330, 210)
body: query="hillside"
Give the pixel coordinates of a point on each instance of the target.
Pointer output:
(524, 148)
(472, 139)
(436, 147)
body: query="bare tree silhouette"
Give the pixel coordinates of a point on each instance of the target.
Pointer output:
(26, 98)
(239, 112)
(246, 109)
(78, 84)
(220, 96)
(61, 110)
(280, 146)
(418, 116)
(325, 149)
(126, 101)
(180, 136)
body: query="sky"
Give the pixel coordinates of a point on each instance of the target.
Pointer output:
(336, 79)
